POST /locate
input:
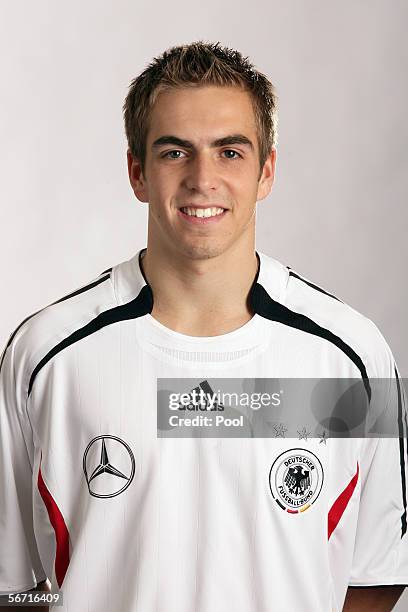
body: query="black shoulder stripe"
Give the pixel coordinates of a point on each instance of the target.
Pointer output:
(270, 309)
(402, 458)
(82, 289)
(106, 271)
(138, 307)
(66, 297)
(291, 273)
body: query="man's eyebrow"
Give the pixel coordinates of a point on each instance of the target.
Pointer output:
(220, 142)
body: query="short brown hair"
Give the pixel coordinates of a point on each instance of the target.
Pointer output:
(199, 63)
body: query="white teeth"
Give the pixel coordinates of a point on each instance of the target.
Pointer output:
(202, 212)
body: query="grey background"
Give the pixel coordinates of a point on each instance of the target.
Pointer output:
(336, 213)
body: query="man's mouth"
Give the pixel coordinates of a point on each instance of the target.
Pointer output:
(201, 212)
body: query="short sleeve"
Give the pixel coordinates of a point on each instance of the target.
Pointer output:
(381, 547)
(20, 565)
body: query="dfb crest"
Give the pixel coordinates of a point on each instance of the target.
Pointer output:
(296, 479)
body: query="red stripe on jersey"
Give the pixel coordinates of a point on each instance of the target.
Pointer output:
(339, 506)
(60, 528)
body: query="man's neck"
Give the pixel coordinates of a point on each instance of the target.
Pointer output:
(201, 297)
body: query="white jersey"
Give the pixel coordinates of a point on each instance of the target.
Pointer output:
(121, 519)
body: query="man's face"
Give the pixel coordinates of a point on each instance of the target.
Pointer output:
(202, 150)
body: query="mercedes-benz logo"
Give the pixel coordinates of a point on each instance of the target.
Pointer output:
(106, 479)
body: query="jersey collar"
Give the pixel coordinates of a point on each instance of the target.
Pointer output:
(129, 281)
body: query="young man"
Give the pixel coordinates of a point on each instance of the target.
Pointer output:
(121, 519)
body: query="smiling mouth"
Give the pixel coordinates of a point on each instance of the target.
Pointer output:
(201, 212)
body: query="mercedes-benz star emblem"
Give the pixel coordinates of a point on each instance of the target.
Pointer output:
(106, 478)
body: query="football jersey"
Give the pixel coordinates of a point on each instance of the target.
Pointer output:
(122, 519)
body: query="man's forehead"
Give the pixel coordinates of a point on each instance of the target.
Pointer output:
(202, 114)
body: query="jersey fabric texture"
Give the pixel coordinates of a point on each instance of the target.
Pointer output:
(122, 520)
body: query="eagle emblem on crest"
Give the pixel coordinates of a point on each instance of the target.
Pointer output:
(297, 480)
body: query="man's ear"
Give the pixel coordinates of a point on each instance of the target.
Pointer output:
(136, 178)
(267, 177)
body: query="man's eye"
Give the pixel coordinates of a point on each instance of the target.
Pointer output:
(169, 154)
(232, 151)
(175, 154)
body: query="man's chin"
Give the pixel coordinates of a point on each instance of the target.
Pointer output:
(204, 251)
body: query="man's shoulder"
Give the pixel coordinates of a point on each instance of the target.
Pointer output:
(316, 308)
(302, 295)
(39, 331)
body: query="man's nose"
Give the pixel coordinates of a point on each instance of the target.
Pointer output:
(202, 172)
